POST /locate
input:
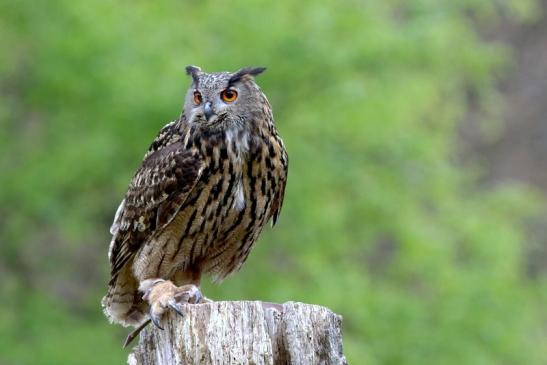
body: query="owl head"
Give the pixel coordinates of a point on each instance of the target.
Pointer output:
(221, 100)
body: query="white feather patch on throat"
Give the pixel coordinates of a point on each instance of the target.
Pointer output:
(237, 141)
(239, 138)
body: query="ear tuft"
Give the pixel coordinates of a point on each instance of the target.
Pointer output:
(246, 72)
(193, 71)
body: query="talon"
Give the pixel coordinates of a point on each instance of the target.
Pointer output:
(156, 320)
(191, 295)
(198, 297)
(175, 306)
(163, 294)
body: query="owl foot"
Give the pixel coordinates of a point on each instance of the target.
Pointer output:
(163, 294)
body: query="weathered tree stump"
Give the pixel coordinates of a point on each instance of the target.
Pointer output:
(246, 332)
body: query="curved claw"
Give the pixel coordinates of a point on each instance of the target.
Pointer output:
(174, 306)
(198, 296)
(156, 320)
(192, 295)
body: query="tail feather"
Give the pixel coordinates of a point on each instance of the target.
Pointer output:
(123, 303)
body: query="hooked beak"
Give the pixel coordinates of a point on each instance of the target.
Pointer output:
(208, 110)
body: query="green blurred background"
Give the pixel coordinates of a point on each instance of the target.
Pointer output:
(404, 212)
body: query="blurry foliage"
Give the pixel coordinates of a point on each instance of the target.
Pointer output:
(379, 223)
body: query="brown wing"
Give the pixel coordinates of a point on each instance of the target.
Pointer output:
(158, 190)
(277, 202)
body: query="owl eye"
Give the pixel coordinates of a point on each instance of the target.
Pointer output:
(228, 95)
(197, 97)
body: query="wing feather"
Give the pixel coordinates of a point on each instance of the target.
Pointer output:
(158, 190)
(279, 195)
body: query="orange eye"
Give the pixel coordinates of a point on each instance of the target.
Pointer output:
(197, 97)
(228, 95)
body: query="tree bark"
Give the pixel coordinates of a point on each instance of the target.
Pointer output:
(245, 332)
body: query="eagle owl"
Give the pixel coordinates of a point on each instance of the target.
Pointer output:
(207, 185)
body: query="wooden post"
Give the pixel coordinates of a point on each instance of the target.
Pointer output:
(245, 332)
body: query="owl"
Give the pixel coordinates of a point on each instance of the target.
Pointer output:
(208, 184)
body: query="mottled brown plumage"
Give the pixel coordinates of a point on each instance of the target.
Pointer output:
(208, 184)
